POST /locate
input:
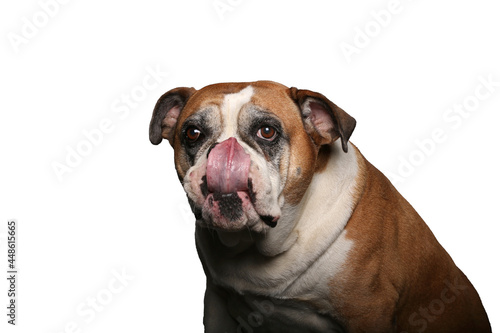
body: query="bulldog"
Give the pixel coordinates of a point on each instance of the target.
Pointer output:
(295, 229)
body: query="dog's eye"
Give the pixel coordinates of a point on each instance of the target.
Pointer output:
(268, 133)
(192, 134)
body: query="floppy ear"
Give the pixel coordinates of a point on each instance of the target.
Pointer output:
(323, 120)
(166, 112)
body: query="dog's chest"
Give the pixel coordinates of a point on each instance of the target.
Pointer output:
(294, 291)
(265, 314)
(306, 271)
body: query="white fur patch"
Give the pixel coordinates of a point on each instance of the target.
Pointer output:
(316, 248)
(230, 110)
(265, 178)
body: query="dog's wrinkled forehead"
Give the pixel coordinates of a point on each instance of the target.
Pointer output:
(228, 106)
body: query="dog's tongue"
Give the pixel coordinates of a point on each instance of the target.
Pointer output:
(227, 167)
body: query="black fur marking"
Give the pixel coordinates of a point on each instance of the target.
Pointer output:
(211, 147)
(204, 186)
(230, 205)
(269, 220)
(201, 121)
(251, 192)
(196, 211)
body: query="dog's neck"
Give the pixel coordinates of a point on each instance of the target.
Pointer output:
(321, 214)
(324, 209)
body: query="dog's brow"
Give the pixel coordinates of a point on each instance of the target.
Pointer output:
(260, 113)
(201, 114)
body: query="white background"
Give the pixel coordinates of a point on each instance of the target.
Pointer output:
(122, 207)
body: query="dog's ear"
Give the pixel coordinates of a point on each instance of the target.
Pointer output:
(166, 112)
(323, 120)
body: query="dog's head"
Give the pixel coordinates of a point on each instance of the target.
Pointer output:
(244, 150)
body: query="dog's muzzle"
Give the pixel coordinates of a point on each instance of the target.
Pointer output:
(230, 195)
(227, 168)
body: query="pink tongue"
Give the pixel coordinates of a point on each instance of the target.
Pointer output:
(227, 167)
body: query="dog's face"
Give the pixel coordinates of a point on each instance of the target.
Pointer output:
(245, 150)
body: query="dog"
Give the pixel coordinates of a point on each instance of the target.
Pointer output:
(295, 229)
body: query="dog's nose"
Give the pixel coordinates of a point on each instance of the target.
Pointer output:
(227, 167)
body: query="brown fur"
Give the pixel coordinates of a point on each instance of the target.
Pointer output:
(323, 157)
(284, 102)
(398, 268)
(274, 98)
(397, 274)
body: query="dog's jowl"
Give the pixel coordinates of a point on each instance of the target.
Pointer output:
(296, 230)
